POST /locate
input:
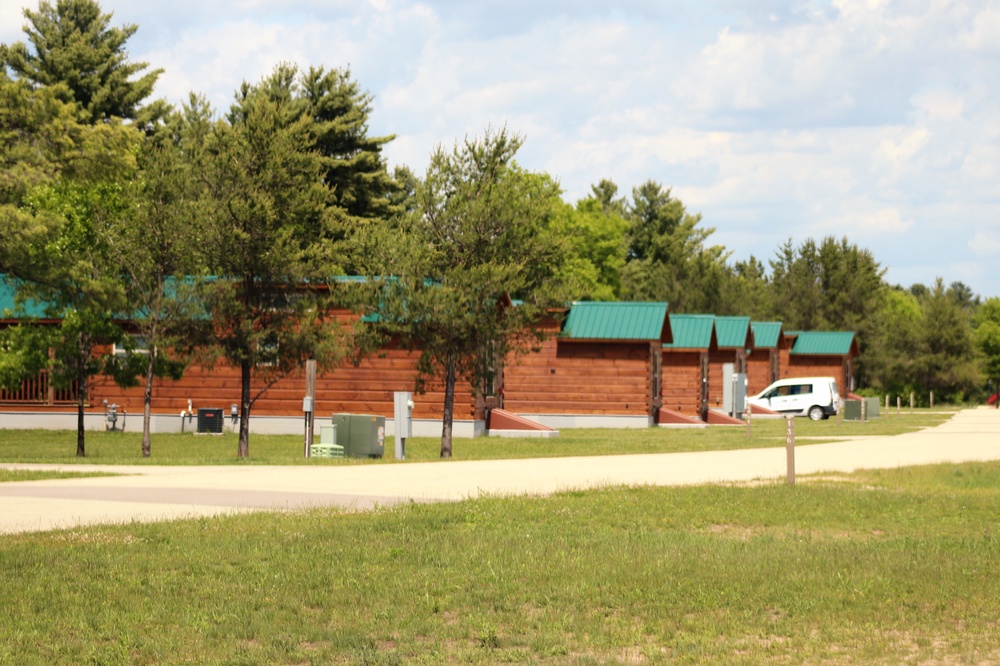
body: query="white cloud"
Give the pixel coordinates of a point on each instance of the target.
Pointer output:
(986, 244)
(11, 22)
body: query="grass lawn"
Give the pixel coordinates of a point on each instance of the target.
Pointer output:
(188, 449)
(41, 475)
(886, 567)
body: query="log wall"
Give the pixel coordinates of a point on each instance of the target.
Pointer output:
(761, 367)
(563, 377)
(365, 388)
(837, 367)
(682, 381)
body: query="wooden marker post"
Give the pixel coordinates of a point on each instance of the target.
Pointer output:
(899, 402)
(911, 403)
(749, 414)
(790, 450)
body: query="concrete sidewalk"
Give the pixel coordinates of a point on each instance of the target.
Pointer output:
(154, 493)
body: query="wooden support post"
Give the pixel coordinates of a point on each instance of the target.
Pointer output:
(790, 450)
(932, 399)
(864, 410)
(911, 403)
(887, 404)
(899, 402)
(749, 415)
(840, 410)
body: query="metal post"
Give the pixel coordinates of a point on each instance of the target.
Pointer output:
(402, 418)
(790, 450)
(310, 401)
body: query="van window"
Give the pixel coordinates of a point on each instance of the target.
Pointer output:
(800, 389)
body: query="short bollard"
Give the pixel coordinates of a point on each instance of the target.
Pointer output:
(790, 450)
(749, 414)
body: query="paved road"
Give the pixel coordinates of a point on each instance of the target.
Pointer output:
(153, 493)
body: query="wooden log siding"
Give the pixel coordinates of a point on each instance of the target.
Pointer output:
(762, 369)
(365, 388)
(682, 381)
(564, 377)
(797, 365)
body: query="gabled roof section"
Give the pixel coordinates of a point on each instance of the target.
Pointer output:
(734, 332)
(692, 331)
(628, 322)
(832, 343)
(766, 334)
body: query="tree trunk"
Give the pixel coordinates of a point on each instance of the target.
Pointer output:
(449, 408)
(244, 447)
(147, 400)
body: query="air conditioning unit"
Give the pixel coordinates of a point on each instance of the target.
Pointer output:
(210, 420)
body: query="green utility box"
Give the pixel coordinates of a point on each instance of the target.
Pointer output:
(361, 435)
(852, 409)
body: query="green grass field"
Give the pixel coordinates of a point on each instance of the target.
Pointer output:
(44, 446)
(886, 567)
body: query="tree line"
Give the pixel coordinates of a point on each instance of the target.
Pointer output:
(226, 236)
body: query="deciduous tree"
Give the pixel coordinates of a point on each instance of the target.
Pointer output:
(477, 236)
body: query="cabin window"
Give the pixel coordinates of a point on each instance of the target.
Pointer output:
(138, 346)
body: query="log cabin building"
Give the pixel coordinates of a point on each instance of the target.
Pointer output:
(764, 359)
(821, 354)
(734, 337)
(685, 384)
(605, 365)
(599, 368)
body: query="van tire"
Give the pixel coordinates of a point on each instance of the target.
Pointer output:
(816, 413)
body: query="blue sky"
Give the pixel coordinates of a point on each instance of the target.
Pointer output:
(872, 119)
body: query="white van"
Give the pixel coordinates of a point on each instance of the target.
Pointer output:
(815, 397)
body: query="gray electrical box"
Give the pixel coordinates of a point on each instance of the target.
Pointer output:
(361, 435)
(403, 419)
(734, 390)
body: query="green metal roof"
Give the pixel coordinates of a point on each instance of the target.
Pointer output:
(766, 334)
(32, 310)
(837, 343)
(691, 331)
(590, 320)
(733, 332)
